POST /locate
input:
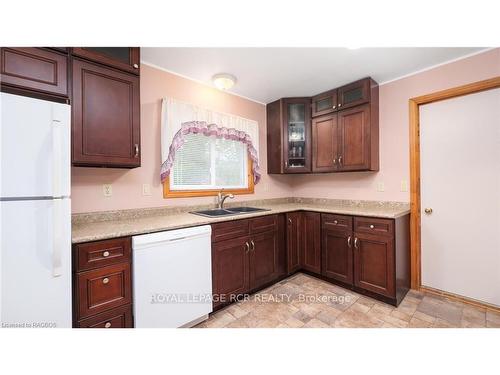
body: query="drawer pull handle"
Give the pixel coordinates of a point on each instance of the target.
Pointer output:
(335, 222)
(247, 247)
(105, 280)
(253, 245)
(289, 221)
(372, 226)
(136, 66)
(105, 254)
(349, 241)
(107, 325)
(356, 246)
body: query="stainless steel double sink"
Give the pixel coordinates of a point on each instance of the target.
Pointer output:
(217, 212)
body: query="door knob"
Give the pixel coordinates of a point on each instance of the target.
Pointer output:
(428, 210)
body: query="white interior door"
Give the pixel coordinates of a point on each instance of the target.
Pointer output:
(460, 182)
(35, 147)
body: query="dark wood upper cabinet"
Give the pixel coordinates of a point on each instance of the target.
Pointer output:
(342, 135)
(354, 138)
(124, 58)
(325, 145)
(34, 69)
(355, 93)
(311, 244)
(324, 103)
(106, 118)
(289, 136)
(294, 239)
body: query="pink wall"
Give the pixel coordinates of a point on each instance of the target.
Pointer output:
(394, 142)
(87, 183)
(394, 133)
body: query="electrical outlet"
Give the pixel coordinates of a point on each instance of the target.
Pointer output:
(404, 185)
(380, 186)
(146, 189)
(107, 190)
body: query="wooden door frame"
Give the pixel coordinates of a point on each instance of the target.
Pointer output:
(415, 103)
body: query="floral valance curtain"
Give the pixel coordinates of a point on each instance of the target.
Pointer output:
(179, 119)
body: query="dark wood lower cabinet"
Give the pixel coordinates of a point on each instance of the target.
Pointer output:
(337, 255)
(294, 239)
(248, 258)
(102, 284)
(263, 259)
(121, 317)
(311, 244)
(374, 264)
(230, 269)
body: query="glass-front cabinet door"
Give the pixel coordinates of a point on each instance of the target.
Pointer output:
(354, 94)
(297, 150)
(324, 103)
(125, 58)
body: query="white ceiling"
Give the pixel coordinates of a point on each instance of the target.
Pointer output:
(267, 74)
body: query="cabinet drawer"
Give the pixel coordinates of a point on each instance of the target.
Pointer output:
(374, 226)
(103, 289)
(336, 222)
(102, 253)
(121, 317)
(264, 224)
(34, 69)
(229, 230)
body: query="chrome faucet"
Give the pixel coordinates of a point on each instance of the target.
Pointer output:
(221, 197)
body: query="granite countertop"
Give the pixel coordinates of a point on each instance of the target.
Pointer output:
(111, 224)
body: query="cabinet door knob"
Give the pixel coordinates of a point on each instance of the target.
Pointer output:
(335, 222)
(289, 221)
(334, 107)
(428, 211)
(136, 150)
(286, 164)
(105, 280)
(340, 160)
(334, 161)
(136, 66)
(105, 254)
(340, 105)
(372, 226)
(107, 325)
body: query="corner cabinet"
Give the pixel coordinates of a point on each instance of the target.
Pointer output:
(342, 134)
(106, 116)
(289, 136)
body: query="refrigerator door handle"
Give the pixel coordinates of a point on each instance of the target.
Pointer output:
(56, 158)
(57, 238)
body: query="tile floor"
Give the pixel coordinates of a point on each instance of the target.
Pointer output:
(305, 301)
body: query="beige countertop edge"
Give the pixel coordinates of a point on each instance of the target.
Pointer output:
(102, 230)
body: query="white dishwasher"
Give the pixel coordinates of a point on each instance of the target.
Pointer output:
(172, 278)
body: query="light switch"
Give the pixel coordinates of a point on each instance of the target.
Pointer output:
(380, 186)
(107, 190)
(146, 189)
(404, 185)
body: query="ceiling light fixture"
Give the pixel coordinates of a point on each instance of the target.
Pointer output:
(224, 81)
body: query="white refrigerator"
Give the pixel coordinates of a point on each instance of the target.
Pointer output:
(35, 222)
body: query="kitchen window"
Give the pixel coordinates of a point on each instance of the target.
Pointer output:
(209, 163)
(204, 152)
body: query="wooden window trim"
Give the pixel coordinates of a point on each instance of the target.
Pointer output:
(168, 193)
